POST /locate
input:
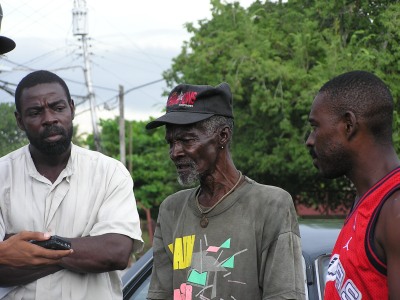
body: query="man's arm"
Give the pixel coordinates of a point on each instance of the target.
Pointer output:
(161, 286)
(281, 268)
(93, 254)
(96, 254)
(387, 235)
(16, 251)
(22, 262)
(17, 276)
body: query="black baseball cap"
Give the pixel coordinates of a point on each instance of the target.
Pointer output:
(188, 104)
(6, 44)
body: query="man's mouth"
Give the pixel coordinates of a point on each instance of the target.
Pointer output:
(314, 157)
(313, 154)
(182, 167)
(53, 137)
(52, 134)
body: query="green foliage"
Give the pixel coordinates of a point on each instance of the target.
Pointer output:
(11, 137)
(153, 173)
(276, 56)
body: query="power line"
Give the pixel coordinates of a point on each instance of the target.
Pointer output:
(143, 85)
(7, 83)
(65, 79)
(125, 92)
(10, 91)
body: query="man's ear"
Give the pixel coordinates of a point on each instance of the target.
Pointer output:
(18, 117)
(224, 135)
(72, 106)
(351, 124)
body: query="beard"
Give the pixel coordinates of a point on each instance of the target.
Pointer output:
(52, 148)
(190, 176)
(334, 163)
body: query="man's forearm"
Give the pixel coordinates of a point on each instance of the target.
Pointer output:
(96, 254)
(91, 255)
(17, 276)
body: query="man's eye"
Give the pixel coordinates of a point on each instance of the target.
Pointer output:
(187, 141)
(60, 108)
(311, 127)
(33, 113)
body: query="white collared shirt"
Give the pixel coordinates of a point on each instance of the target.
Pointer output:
(92, 196)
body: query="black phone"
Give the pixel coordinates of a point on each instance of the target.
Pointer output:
(54, 242)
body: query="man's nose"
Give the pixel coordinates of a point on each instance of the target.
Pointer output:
(49, 117)
(309, 139)
(175, 150)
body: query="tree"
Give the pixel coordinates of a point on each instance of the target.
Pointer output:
(11, 137)
(276, 56)
(153, 173)
(152, 170)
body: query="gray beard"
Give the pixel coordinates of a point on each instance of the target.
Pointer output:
(187, 180)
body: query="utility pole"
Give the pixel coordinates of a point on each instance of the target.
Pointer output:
(80, 29)
(122, 150)
(130, 138)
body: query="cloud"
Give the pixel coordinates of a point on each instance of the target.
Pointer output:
(131, 43)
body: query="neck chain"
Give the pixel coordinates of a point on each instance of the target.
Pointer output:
(204, 219)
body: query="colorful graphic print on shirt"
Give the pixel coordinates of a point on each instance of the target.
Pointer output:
(203, 266)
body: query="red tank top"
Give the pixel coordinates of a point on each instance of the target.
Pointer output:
(354, 270)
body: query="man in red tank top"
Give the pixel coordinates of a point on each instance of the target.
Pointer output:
(352, 117)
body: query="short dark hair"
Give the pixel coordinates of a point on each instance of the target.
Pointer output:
(35, 78)
(367, 96)
(211, 124)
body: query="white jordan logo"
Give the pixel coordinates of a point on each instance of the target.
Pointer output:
(347, 244)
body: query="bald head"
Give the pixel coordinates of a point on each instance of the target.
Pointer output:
(366, 96)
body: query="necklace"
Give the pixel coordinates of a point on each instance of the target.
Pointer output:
(204, 219)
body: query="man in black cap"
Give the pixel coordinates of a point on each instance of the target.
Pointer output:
(230, 237)
(17, 251)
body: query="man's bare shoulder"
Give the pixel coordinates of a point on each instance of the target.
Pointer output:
(387, 228)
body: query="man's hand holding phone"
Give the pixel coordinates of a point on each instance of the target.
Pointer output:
(18, 250)
(54, 242)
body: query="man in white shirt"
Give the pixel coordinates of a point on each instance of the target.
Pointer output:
(54, 186)
(16, 251)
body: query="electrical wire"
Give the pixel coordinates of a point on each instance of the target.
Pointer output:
(125, 92)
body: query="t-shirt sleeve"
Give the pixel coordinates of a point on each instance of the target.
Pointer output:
(118, 212)
(283, 275)
(161, 284)
(282, 267)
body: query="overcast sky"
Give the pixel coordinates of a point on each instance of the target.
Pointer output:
(132, 43)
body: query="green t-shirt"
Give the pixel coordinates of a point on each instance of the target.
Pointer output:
(250, 249)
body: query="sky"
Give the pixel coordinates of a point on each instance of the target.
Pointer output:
(131, 43)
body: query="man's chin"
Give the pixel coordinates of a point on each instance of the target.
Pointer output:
(187, 180)
(54, 148)
(329, 175)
